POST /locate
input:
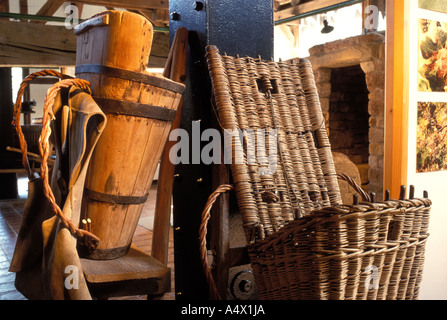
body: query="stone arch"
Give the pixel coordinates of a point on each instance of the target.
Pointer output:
(368, 51)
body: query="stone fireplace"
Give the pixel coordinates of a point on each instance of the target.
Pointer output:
(350, 78)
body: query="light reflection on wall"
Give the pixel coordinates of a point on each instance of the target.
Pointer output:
(347, 22)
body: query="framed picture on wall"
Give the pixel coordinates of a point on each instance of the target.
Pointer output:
(430, 98)
(431, 136)
(434, 5)
(432, 55)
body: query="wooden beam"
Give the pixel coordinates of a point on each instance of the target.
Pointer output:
(23, 44)
(80, 7)
(159, 50)
(158, 17)
(26, 44)
(4, 5)
(134, 4)
(291, 11)
(396, 98)
(8, 179)
(23, 6)
(48, 9)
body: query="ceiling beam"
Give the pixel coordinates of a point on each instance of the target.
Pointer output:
(48, 9)
(23, 6)
(291, 11)
(22, 44)
(158, 18)
(80, 7)
(4, 5)
(134, 4)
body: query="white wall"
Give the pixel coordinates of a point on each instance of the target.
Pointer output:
(434, 281)
(347, 22)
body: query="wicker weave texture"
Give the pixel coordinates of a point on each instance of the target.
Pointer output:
(362, 252)
(252, 96)
(303, 243)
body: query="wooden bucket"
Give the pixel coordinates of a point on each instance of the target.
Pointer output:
(112, 54)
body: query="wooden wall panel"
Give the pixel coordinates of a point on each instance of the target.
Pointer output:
(30, 44)
(396, 99)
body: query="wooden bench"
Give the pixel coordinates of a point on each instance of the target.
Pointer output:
(136, 273)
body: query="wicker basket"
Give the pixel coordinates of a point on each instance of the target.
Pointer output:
(367, 251)
(303, 242)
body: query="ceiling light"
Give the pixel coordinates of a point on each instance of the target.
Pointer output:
(327, 28)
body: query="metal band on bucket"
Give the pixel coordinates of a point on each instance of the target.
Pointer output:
(113, 198)
(131, 76)
(135, 109)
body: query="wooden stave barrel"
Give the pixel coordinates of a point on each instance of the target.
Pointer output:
(140, 108)
(127, 189)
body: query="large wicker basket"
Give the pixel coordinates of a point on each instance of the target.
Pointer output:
(303, 242)
(366, 251)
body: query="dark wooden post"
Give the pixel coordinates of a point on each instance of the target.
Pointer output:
(8, 181)
(243, 27)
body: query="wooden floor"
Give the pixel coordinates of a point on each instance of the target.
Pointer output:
(10, 218)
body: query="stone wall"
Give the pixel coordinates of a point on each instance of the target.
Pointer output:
(348, 124)
(368, 51)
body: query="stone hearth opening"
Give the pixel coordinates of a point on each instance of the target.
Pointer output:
(341, 67)
(349, 118)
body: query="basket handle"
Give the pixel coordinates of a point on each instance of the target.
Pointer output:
(365, 196)
(214, 294)
(44, 147)
(17, 111)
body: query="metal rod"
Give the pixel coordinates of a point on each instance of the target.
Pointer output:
(21, 16)
(318, 11)
(33, 17)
